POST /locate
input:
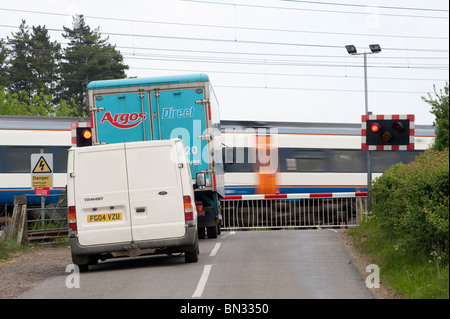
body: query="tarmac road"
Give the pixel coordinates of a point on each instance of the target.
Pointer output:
(281, 264)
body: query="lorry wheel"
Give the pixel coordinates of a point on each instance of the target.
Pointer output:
(201, 233)
(191, 256)
(212, 231)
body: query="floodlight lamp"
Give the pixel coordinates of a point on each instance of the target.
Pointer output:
(351, 49)
(375, 48)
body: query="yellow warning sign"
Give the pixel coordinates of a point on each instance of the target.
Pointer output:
(42, 181)
(41, 166)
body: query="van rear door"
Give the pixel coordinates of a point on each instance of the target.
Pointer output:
(156, 194)
(101, 190)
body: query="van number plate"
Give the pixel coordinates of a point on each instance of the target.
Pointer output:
(104, 217)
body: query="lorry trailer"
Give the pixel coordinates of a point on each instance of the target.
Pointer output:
(163, 108)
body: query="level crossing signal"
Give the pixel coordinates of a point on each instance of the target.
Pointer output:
(84, 136)
(388, 132)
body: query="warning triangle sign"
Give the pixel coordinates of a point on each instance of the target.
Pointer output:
(42, 166)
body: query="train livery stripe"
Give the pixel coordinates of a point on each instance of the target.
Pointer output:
(295, 196)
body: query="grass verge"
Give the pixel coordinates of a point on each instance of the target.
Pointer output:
(9, 247)
(415, 275)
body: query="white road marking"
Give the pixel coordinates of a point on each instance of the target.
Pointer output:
(202, 282)
(215, 249)
(229, 234)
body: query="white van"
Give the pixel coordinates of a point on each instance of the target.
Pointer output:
(130, 199)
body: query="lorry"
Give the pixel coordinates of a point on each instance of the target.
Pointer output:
(149, 110)
(130, 199)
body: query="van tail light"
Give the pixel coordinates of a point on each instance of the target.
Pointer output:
(72, 218)
(188, 210)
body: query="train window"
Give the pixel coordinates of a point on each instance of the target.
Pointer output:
(16, 159)
(291, 164)
(314, 160)
(307, 160)
(383, 160)
(60, 154)
(347, 161)
(409, 156)
(244, 160)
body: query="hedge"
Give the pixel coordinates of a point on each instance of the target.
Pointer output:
(411, 202)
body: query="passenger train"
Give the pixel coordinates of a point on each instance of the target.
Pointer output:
(268, 157)
(21, 136)
(291, 157)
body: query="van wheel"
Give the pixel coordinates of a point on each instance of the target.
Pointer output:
(83, 268)
(191, 256)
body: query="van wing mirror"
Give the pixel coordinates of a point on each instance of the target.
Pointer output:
(200, 180)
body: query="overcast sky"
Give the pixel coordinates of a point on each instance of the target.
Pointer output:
(272, 60)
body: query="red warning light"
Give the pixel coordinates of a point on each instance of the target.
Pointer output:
(375, 127)
(87, 134)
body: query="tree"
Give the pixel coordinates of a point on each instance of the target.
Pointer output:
(44, 61)
(33, 61)
(4, 79)
(18, 69)
(88, 57)
(439, 108)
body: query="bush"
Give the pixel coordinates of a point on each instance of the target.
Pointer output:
(411, 203)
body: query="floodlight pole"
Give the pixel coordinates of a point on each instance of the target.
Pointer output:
(374, 49)
(366, 94)
(369, 152)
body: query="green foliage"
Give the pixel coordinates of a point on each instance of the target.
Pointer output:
(4, 79)
(40, 104)
(411, 202)
(42, 79)
(18, 68)
(9, 247)
(439, 108)
(88, 57)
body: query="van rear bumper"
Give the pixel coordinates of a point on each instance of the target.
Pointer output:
(80, 253)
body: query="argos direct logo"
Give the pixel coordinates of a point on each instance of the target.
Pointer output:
(125, 120)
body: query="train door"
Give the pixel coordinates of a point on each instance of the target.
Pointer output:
(266, 164)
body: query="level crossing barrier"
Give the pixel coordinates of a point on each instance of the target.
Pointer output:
(278, 211)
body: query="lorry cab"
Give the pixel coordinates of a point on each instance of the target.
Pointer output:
(130, 199)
